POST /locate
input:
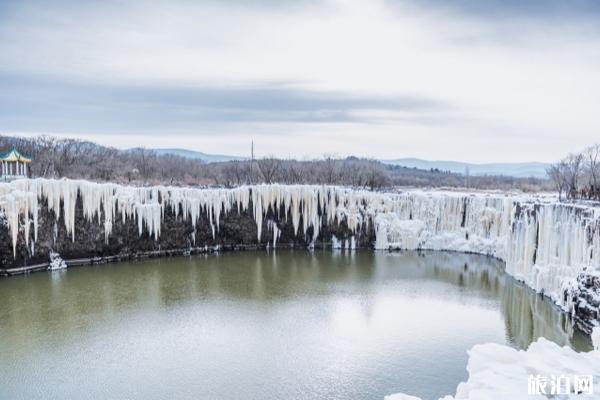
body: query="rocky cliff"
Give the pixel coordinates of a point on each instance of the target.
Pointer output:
(178, 236)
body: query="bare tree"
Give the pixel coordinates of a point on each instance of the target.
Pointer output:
(297, 172)
(574, 164)
(331, 169)
(235, 173)
(143, 160)
(558, 174)
(268, 168)
(375, 176)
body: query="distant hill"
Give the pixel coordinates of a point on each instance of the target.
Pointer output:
(196, 155)
(519, 170)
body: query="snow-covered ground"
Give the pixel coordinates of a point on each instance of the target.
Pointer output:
(544, 370)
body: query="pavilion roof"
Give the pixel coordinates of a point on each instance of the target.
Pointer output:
(14, 155)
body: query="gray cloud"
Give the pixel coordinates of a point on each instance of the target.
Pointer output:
(494, 9)
(527, 24)
(511, 74)
(42, 104)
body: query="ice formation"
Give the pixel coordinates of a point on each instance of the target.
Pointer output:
(545, 244)
(104, 202)
(56, 262)
(347, 244)
(548, 245)
(502, 372)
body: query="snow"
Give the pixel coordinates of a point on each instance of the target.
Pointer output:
(502, 372)
(56, 262)
(405, 234)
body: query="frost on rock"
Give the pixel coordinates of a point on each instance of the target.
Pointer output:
(56, 262)
(502, 372)
(554, 248)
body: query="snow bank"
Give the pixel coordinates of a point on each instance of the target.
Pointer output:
(502, 372)
(552, 247)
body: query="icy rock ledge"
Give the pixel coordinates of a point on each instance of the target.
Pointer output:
(502, 372)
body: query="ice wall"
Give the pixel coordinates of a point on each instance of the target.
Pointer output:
(304, 206)
(546, 244)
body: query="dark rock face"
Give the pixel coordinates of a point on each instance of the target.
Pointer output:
(178, 236)
(586, 300)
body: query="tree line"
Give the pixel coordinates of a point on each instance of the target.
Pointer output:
(78, 159)
(577, 176)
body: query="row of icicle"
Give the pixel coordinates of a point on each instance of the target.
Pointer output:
(105, 202)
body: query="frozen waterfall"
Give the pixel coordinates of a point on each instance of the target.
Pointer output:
(546, 244)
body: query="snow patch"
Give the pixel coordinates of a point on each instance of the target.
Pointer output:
(56, 262)
(502, 372)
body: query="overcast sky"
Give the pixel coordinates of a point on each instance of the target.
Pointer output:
(470, 80)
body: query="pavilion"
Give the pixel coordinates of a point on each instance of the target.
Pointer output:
(14, 165)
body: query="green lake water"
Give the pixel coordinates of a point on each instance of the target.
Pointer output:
(258, 325)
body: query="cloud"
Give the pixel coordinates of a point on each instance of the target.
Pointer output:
(499, 9)
(40, 103)
(473, 80)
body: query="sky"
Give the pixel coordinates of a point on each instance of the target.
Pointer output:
(468, 80)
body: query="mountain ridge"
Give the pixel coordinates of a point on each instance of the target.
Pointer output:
(517, 169)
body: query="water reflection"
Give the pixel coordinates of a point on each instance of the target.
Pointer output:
(527, 315)
(256, 325)
(70, 299)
